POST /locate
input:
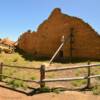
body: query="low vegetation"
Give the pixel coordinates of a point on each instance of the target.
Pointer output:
(96, 90)
(17, 84)
(79, 83)
(17, 59)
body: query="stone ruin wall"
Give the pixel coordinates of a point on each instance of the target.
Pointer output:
(86, 42)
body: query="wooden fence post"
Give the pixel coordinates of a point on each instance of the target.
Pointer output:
(71, 44)
(88, 75)
(1, 70)
(42, 76)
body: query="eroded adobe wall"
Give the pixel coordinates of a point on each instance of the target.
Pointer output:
(48, 37)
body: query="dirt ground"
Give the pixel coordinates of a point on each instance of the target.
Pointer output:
(6, 94)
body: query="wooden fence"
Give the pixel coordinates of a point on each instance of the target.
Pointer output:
(43, 71)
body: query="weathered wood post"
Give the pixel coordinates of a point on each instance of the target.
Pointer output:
(88, 75)
(71, 42)
(1, 70)
(42, 76)
(57, 51)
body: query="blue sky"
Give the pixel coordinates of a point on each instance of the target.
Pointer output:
(17, 16)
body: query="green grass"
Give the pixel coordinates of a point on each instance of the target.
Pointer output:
(96, 90)
(95, 70)
(18, 60)
(17, 84)
(51, 75)
(33, 77)
(45, 89)
(10, 58)
(78, 83)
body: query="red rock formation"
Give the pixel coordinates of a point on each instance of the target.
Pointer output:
(86, 42)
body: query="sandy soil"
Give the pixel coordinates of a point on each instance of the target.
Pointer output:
(6, 94)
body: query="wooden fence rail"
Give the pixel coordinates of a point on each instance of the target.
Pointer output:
(20, 67)
(43, 71)
(70, 68)
(70, 79)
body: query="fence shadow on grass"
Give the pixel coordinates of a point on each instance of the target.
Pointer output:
(55, 90)
(35, 91)
(19, 91)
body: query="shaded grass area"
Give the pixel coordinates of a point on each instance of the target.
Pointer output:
(31, 57)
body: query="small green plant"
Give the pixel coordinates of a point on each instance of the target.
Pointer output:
(78, 83)
(45, 89)
(33, 78)
(17, 84)
(96, 90)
